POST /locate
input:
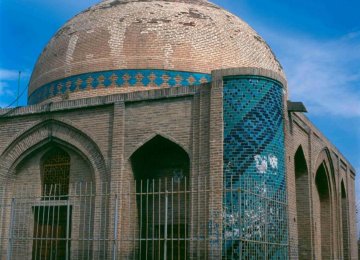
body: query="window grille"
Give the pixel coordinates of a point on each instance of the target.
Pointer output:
(55, 172)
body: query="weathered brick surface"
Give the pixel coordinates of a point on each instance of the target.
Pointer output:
(317, 150)
(194, 36)
(102, 127)
(101, 134)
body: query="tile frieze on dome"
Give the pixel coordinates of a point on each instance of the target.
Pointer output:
(117, 79)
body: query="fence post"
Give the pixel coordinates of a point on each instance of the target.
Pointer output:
(165, 227)
(68, 231)
(2, 213)
(11, 227)
(115, 226)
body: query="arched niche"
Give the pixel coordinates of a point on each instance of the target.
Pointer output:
(345, 222)
(323, 215)
(161, 170)
(54, 188)
(51, 132)
(302, 205)
(36, 169)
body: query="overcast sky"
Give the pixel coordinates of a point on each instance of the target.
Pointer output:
(316, 41)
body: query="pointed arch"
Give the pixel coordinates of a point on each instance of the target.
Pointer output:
(324, 157)
(159, 153)
(157, 134)
(160, 166)
(38, 142)
(345, 221)
(323, 215)
(53, 132)
(302, 204)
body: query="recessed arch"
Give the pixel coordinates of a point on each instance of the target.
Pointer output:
(51, 132)
(324, 157)
(302, 204)
(161, 169)
(30, 180)
(157, 154)
(323, 211)
(345, 221)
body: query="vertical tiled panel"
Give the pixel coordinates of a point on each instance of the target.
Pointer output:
(255, 204)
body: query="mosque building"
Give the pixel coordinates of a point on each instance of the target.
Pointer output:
(162, 129)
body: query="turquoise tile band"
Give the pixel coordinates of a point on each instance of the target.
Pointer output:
(118, 79)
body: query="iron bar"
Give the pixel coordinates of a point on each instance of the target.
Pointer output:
(164, 218)
(115, 226)
(11, 228)
(166, 223)
(68, 231)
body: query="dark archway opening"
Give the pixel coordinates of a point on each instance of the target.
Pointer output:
(345, 223)
(302, 205)
(322, 184)
(161, 170)
(52, 220)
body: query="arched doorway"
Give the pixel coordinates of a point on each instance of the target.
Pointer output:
(302, 205)
(324, 211)
(52, 220)
(345, 223)
(30, 207)
(161, 170)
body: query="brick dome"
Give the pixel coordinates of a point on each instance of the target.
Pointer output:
(171, 35)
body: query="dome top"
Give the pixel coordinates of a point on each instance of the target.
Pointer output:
(172, 35)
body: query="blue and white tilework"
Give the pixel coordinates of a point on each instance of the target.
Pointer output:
(255, 203)
(119, 79)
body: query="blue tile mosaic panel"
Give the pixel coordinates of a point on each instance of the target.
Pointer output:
(255, 204)
(118, 79)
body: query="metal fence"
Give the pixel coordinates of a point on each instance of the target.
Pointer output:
(144, 219)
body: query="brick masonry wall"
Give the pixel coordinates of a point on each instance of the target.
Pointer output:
(104, 131)
(317, 149)
(293, 141)
(124, 127)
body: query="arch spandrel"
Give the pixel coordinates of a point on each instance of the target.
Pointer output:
(152, 136)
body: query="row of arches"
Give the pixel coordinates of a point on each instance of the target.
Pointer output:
(158, 162)
(315, 209)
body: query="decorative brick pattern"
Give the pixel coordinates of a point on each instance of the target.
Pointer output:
(178, 35)
(254, 169)
(118, 79)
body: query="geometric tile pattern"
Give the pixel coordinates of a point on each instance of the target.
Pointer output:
(255, 204)
(118, 79)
